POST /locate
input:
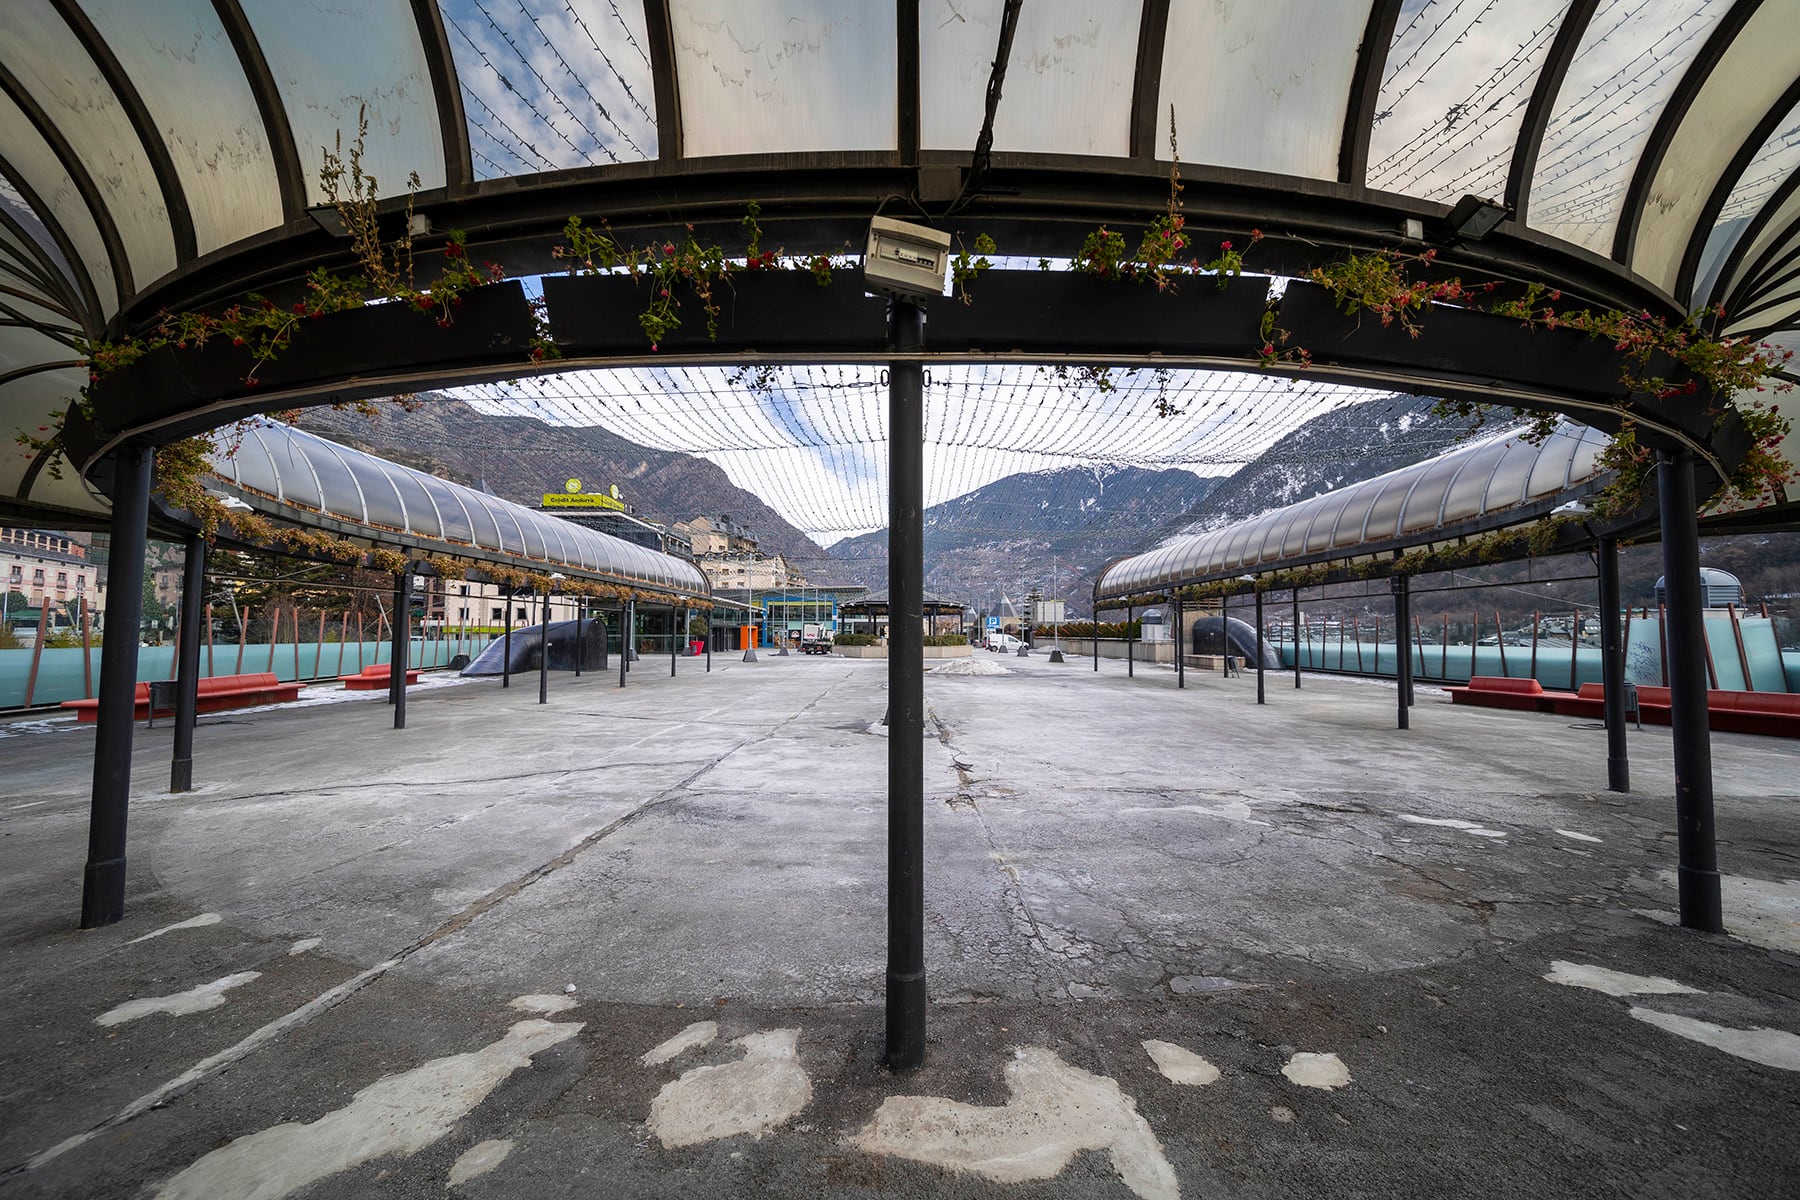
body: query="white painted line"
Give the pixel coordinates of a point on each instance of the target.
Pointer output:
(1322, 1071)
(1614, 983)
(181, 1004)
(1770, 1047)
(397, 1114)
(1179, 1065)
(761, 1091)
(198, 922)
(1054, 1113)
(700, 1033)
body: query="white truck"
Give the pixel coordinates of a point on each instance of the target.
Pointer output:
(815, 639)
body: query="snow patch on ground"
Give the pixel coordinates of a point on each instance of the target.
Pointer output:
(181, 1004)
(303, 945)
(479, 1159)
(970, 666)
(199, 922)
(1770, 1047)
(547, 1003)
(761, 1091)
(1580, 837)
(1322, 1071)
(1614, 983)
(1454, 823)
(700, 1033)
(1179, 1065)
(1055, 1112)
(1763, 912)
(397, 1114)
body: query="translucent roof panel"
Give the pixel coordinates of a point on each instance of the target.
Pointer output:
(1507, 468)
(552, 87)
(1068, 81)
(1775, 161)
(1771, 242)
(1453, 95)
(332, 61)
(42, 52)
(1761, 63)
(1632, 55)
(772, 76)
(1248, 93)
(38, 169)
(34, 233)
(280, 469)
(205, 112)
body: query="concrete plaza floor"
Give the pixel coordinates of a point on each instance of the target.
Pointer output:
(631, 943)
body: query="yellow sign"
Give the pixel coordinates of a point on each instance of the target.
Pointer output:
(572, 486)
(582, 500)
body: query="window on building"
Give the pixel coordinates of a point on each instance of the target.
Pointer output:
(62, 579)
(464, 590)
(522, 615)
(81, 583)
(499, 614)
(18, 574)
(37, 577)
(462, 614)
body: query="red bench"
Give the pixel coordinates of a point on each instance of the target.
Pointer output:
(1589, 700)
(1776, 714)
(1497, 691)
(213, 695)
(374, 678)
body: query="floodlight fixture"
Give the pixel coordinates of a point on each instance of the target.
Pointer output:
(906, 260)
(1473, 218)
(1573, 508)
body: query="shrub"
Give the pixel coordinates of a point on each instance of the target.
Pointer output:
(855, 639)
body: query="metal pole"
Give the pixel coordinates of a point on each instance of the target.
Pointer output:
(1296, 641)
(544, 653)
(1309, 640)
(672, 641)
(1180, 658)
(1612, 667)
(627, 618)
(1697, 877)
(103, 884)
(187, 685)
(1403, 665)
(580, 633)
(906, 692)
(400, 655)
(1259, 646)
(1225, 635)
(709, 636)
(1130, 666)
(506, 646)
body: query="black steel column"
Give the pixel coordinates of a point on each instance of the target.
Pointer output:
(1403, 663)
(506, 650)
(1612, 667)
(1259, 646)
(103, 885)
(580, 633)
(672, 641)
(1180, 657)
(402, 651)
(1297, 637)
(709, 636)
(1224, 635)
(906, 692)
(1697, 878)
(1130, 666)
(187, 672)
(625, 616)
(544, 653)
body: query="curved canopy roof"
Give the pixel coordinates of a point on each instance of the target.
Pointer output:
(1500, 481)
(303, 479)
(165, 152)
